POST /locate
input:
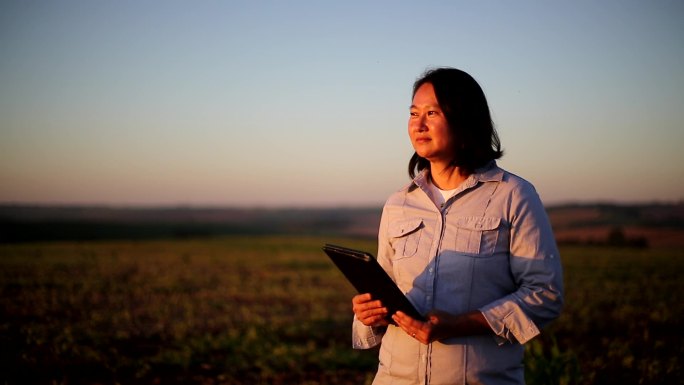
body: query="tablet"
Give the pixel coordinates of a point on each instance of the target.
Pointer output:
(367, 276)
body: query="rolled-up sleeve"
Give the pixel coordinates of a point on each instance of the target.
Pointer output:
(366, 337)
(536, 267)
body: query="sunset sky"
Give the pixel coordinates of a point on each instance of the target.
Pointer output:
(305, 103)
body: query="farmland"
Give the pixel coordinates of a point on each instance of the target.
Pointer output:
(274, 310)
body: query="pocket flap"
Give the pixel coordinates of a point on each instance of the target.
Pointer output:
(478, 223)
(401, 228)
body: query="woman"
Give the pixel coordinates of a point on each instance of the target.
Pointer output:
(469, 243)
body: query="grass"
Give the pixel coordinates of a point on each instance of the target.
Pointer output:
(623, 318)
(274, 310)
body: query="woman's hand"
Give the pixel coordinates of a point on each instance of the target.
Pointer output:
(370, 312)
(441, 325)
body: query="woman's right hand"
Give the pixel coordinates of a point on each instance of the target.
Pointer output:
(369, 311)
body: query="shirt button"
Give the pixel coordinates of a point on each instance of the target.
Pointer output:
(431, 270)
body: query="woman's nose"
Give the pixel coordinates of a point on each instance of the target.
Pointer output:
(421, 124)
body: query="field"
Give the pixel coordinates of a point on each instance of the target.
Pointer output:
(274, 310)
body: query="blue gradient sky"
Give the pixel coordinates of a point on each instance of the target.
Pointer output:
(280, 103)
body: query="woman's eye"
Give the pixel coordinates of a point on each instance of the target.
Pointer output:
(413, 113)
(432, 113)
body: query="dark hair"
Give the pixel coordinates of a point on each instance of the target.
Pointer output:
(466, 111)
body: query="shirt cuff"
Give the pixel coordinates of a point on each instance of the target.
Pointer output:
(509, 323)
(366, 337)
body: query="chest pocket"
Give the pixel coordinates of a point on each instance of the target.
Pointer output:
(477, 236)
(405, 236)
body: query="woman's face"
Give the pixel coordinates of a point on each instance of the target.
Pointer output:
(428, 127)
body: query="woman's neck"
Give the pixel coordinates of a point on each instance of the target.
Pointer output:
(446, 176)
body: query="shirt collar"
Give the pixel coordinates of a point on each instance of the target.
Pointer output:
(487, 173)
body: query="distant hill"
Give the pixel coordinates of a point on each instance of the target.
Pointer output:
(656, 225)
(48, 223)
(659, 224)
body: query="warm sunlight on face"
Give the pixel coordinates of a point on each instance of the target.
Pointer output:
(428, 127)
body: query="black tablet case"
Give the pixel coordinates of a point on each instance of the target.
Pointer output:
(367, 276)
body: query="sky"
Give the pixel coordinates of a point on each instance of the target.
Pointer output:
(305, 103)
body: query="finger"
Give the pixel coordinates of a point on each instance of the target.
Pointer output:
(361, 298)
(366, 306)
(409, 321)
(399, 321)
(375, 310)
(374, 317)
(365, 300)
(411, 326)
(403, 323)
(413, 333)
(369, 309)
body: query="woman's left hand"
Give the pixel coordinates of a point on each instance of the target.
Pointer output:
(441, 325)
(425, 332)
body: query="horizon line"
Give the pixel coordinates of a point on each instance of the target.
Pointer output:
(286, 206)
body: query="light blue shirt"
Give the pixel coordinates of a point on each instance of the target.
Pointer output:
(490, 248)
